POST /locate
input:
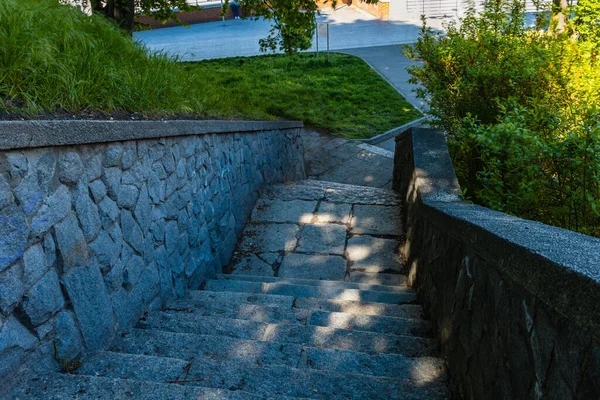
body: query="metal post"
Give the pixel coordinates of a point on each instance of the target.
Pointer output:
(328, 43)
(223, 17)
(317, 39)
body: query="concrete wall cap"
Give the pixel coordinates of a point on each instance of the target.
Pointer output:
(43, 133)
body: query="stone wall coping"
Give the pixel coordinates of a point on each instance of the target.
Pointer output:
(559, 266)
(43, 133)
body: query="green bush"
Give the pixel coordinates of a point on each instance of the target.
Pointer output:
(521, 107)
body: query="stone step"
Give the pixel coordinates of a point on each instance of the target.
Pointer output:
(380, 279)
(344, 339)
(288, 315)
(57, 386)
(401, 288)
(190, 346)
(268, 381)
(208, 299)
(332, 192)
(248, 312)
(411, 311)
(422, 370)
(215, 348)
(302, 291)
(314, 336)
(371, 323)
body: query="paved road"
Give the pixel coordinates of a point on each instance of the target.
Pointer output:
(349, 28)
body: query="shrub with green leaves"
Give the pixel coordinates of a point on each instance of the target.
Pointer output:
(521, 108)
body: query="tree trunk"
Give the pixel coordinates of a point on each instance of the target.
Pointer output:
(122, 11)
(560, 16)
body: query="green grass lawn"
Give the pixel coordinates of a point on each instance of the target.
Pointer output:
(56, 60)
(344, 96)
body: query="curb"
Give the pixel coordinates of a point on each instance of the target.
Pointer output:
(393, 132)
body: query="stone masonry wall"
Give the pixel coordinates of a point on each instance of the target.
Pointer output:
(514, 302)
(91, 235)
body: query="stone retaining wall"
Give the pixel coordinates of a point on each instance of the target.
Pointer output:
(97, 230)
(515, 302)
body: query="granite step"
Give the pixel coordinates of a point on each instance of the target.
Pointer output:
(269, 381)
(332, 192)
(411, 311)
(371, 323)
(400, 288)
(57, 386)
(207, 299)
(248, 312)
(288, 315)
(380, 279)
(314, 336)
(303, 291)
(189, 346)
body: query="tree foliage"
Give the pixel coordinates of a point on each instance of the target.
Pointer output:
(124, 11)
(521, 107)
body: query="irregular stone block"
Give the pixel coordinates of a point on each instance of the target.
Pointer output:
(127, 196)
(68, 339)
(71, 243)
(129, 155)
(156, 188)
(132, 232)
(143, 210)
(98, 190)
(49, 250)
(17, 165)
(15, 342)
(29, 193)
(114, 277)
(6, 197)
(133, 176)
(133, 270)
(294, 211)
(106, 251)
(11, 287)
(92, 306)
(70, 167)
(108, 211)
(55, 208)
(332, 212)
(44, 299)
(34, 264)
(87, 212)
(112, 155)
(252, 265)
(312, 267)
(323, 238)
(112, 179)
(13, 233)
(376, 220)
(371, 254)
(93, 168)
(171, 236)
(269, 238)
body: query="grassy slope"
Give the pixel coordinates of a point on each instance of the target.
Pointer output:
(54, 58)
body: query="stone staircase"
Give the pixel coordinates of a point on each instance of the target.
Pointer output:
(314, 306)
